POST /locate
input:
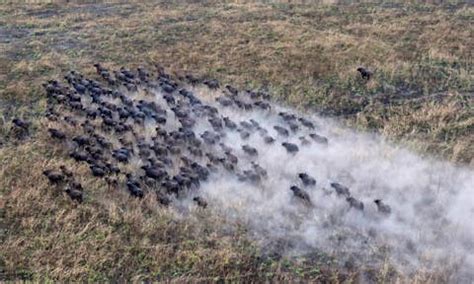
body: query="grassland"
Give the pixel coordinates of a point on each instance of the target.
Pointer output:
(306, 55)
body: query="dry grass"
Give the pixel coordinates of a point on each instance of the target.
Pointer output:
(306, 55)
(46, 237)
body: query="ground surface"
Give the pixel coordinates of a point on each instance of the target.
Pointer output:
(306, 55)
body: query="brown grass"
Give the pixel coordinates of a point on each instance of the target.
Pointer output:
(47, 237)
(306, 55)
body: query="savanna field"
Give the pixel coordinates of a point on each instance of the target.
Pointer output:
(134, 142)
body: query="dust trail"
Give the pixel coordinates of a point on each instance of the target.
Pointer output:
(302, 184)
(432, 202)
